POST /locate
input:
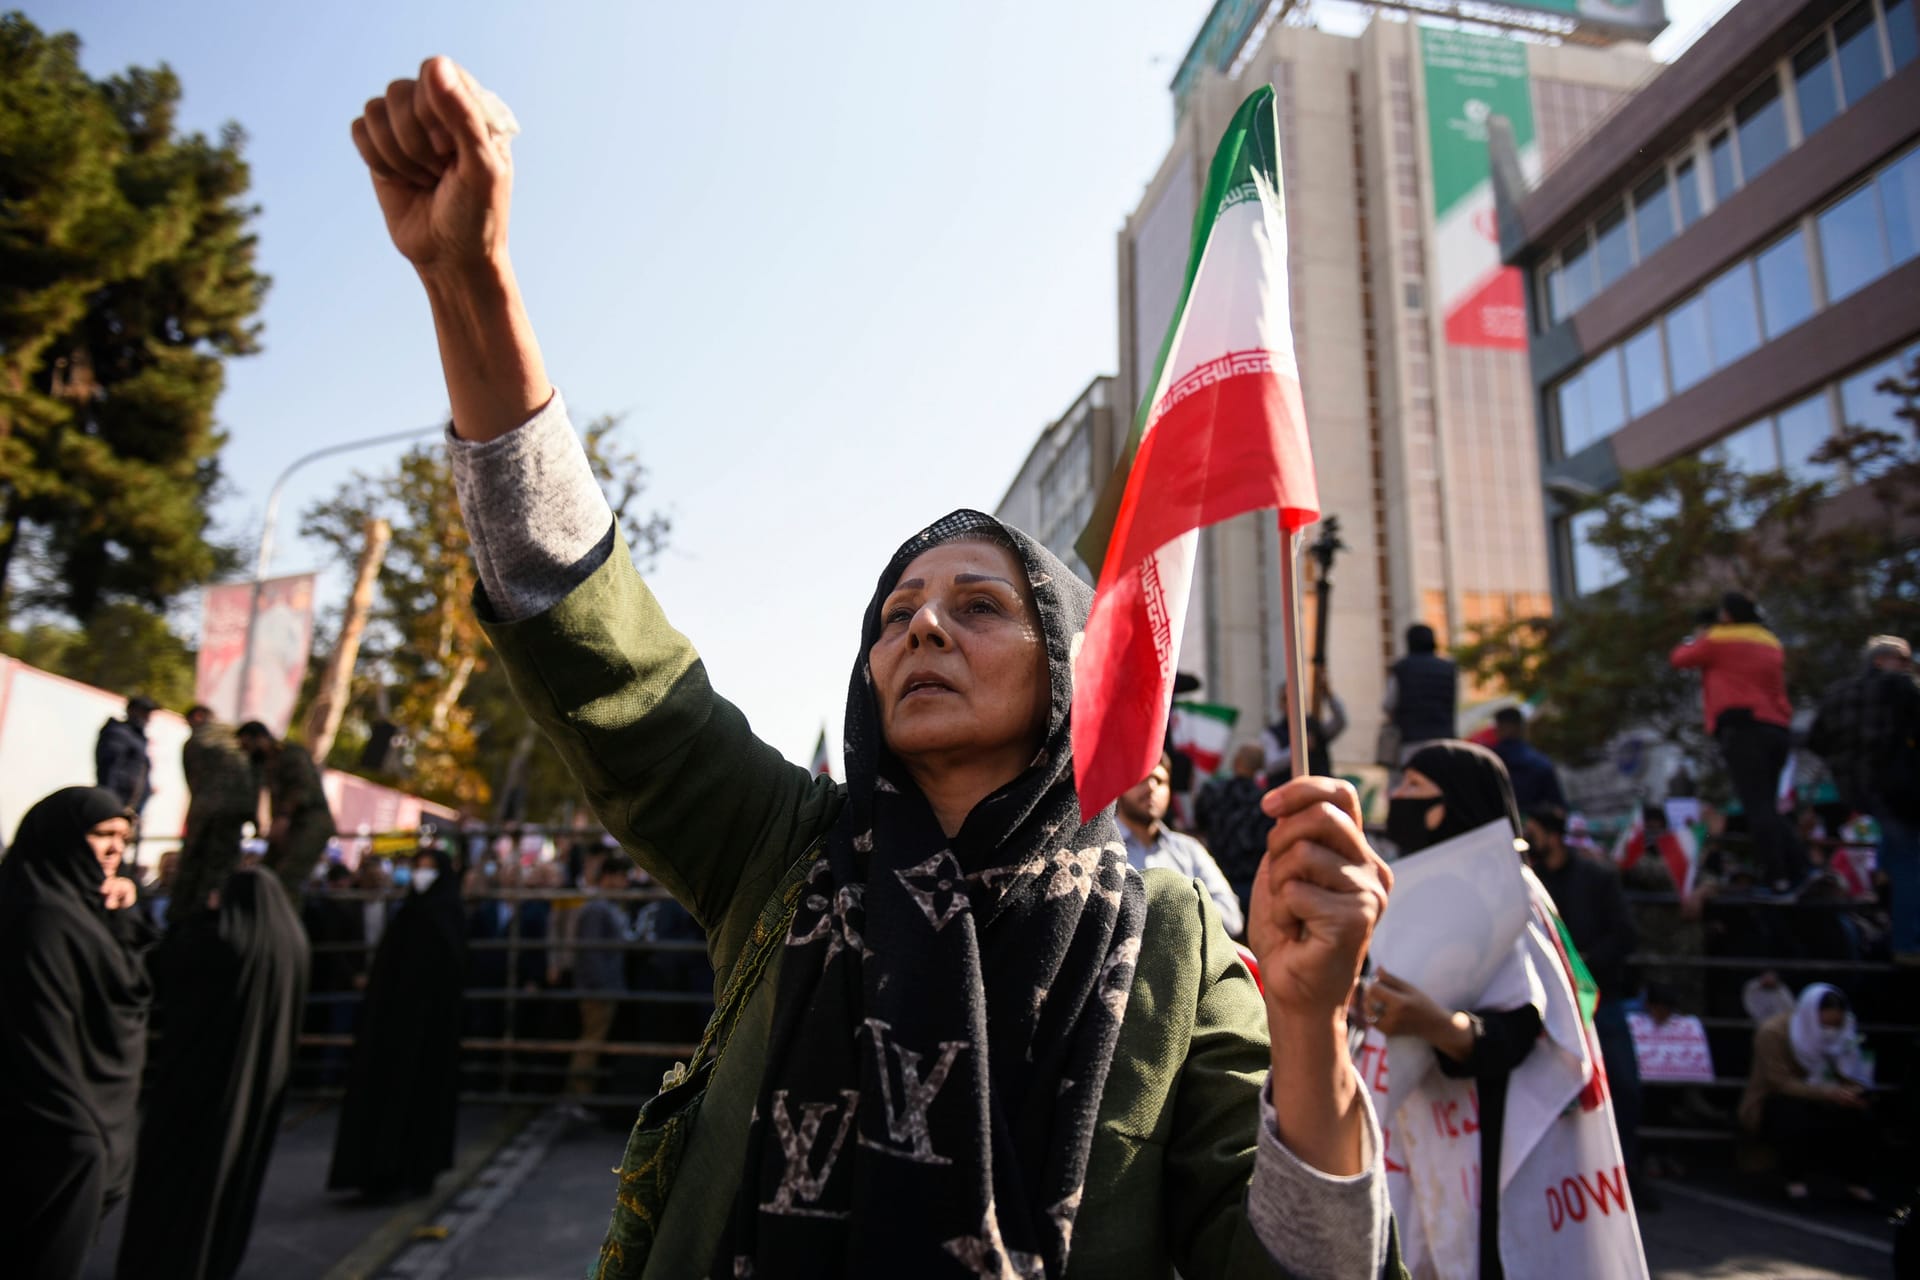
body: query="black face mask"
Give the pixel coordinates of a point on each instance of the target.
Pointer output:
(1407, 822)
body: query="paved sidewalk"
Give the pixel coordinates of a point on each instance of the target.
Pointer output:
(551, 1222)
(303, 1233)
(532, 1194)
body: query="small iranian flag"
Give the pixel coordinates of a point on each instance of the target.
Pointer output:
(820, 762)
(1222, 433)
(1202, 730)
(1679, 852)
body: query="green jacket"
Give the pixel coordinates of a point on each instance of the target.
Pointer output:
(718, 817)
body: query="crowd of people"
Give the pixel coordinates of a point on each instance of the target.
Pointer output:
(151, 1017)
(959, 1025)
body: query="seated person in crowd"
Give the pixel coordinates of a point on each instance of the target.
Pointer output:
(1807, 1094)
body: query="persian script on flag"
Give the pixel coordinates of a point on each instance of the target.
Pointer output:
(1223, 432)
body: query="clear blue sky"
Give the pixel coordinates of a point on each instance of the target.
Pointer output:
(837, 263)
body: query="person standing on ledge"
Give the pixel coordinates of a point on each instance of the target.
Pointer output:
(940, 1046)
(302, 819)
(1423, 693)
(1743, 689)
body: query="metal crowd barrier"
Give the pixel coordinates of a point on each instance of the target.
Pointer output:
(503, 1059)
(516, 1066)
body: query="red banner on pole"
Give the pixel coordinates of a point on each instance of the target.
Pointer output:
(282, 631)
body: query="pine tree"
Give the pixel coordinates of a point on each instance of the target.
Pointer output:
(127, 280)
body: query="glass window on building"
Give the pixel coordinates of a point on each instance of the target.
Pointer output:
(1857, 38)
(1652, 215)
(1901, 32)
(1646, 371)
(1732, 316)
(1576, 425)
(1815, 86)
(1613, 249)
(1594, 569)
(1864, 405)
(1868, 406)
(1720, 154)
(1851, 246)
(1576, 274)
(1900, 201)
(1686, 185)
(1761, 120)
(1606, 394)
(1750, 450)
(1786, 286)
(1688, 349)
(1804, 429)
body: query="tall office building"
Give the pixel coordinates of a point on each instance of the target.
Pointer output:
(1731, 263)
(1411, 334)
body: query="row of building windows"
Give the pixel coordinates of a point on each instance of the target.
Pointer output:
(1797, 98)
(1784, 441)
(1823, 259)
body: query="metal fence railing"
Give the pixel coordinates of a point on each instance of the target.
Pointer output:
(522, 1038)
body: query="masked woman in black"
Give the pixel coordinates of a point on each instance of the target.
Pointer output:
(73, 1029)
(230, 983)
(397, 1123)
(1521, 1064)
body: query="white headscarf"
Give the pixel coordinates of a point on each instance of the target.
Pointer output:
(1823, 1051)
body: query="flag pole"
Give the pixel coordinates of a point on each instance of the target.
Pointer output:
(1293, 634)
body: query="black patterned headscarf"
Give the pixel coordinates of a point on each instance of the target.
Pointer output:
(947, 1007)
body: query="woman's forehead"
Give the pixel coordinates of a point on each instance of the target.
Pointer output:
(963, 556)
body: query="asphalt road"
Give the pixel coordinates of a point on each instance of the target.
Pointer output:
(530, 1198)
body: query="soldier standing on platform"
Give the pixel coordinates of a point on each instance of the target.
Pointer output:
(302, 821)
(223, 796)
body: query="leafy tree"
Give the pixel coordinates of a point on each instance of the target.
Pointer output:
(1826, 573)
(124, 647)
(424, 661)
(126, 281)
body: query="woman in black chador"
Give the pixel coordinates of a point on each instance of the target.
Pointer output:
(231, 983)
(73, 1030)
(396, 1125)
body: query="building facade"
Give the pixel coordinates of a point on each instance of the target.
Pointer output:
(1411, 338)
(1053, 493)
(1729, 264)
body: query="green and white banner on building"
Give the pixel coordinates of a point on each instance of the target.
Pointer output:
(1471, 79)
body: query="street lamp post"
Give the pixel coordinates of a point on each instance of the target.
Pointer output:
(266, 537)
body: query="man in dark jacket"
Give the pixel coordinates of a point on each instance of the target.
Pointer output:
(1423, 690)
(1536, 784)
(1868, 731)
(1228, 813)
(120, 761)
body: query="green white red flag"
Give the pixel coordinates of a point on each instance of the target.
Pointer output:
(1203, 730)
(821, 764)
(1678, 850)
(1222, 432)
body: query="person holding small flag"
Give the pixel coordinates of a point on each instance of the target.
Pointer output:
(956, 1033)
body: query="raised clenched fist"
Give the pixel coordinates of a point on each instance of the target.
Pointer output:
(437, 148)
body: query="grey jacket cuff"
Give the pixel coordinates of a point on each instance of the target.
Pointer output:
(535, 514)
(1316, 1225)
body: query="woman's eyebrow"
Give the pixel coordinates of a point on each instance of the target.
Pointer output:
(968, 579)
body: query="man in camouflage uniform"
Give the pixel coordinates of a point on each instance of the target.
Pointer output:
(302, 821)
(223, 796)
